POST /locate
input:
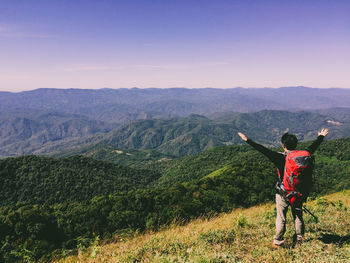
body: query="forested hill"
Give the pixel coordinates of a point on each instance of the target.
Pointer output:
(332, 161)
(26, 131)
(194, 134)
(43, 180)
(62, 134)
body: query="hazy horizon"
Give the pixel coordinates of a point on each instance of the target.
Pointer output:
(192, 44)
(19, 91)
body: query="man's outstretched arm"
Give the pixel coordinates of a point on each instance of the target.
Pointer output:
(274, 157)
(321, 134)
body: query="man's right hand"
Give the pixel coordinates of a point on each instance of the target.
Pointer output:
(323, 132)
(243, 137)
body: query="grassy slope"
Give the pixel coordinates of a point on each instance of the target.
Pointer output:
(244, 235)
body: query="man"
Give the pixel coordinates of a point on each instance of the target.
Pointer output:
(289, 143)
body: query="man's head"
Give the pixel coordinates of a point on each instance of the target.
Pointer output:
(289, 141)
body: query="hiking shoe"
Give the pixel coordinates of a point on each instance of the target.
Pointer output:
(297, 240)
(273, 245)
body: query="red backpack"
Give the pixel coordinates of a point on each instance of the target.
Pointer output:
(297, 178)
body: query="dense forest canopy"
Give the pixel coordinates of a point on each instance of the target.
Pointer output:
(43, 180)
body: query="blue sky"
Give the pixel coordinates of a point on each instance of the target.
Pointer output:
(164, 43)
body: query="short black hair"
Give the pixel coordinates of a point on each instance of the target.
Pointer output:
(289, 141)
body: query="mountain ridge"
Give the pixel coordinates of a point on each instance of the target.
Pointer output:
(195, 133)
(131, 104)
(25, 132)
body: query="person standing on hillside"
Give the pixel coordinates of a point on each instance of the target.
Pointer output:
(293, 197)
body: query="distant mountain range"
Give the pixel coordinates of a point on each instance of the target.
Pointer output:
(126, 105)
(173, 122)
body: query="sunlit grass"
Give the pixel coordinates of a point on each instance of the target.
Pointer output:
(244, 235)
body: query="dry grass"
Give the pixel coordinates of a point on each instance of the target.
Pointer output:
(244, 235)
